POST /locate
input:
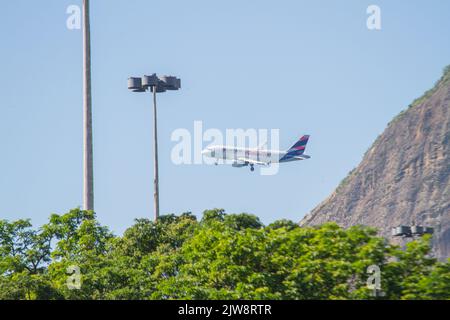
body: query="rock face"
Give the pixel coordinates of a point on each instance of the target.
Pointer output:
(404, 178)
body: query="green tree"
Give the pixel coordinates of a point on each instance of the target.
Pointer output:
(81, 242)
(224, 256)
(24, 256)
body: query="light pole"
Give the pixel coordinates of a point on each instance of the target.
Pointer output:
(156, 85)
(88, 167)
(411, 231)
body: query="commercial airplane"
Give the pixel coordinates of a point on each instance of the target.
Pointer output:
(242, 157)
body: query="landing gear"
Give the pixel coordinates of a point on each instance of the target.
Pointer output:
(252, 168)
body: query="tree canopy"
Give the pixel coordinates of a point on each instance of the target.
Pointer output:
(222, 256)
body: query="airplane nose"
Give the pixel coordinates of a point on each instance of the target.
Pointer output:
(205, 152)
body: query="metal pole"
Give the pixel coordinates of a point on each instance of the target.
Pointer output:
(88, 171)
(155, 145)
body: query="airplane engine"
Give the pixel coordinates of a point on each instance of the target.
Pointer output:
(238, 164)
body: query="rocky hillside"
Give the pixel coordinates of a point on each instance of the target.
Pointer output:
(404, 178)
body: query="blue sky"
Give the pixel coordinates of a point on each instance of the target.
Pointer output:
(300, 66)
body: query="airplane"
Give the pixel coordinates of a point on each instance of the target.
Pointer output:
(242, 157)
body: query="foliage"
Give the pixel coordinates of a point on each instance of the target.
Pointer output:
(222, 256)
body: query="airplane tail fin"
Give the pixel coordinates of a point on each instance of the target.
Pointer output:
(299, 147)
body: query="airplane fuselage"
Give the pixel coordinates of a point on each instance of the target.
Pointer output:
(232, 153)
(241, 157)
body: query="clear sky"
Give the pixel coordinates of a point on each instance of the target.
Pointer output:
(300, 66)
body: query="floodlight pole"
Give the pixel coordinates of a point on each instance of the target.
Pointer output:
(155, 84)
(155, 146)
(88, 167)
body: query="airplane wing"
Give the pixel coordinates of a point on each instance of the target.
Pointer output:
(253, 161)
